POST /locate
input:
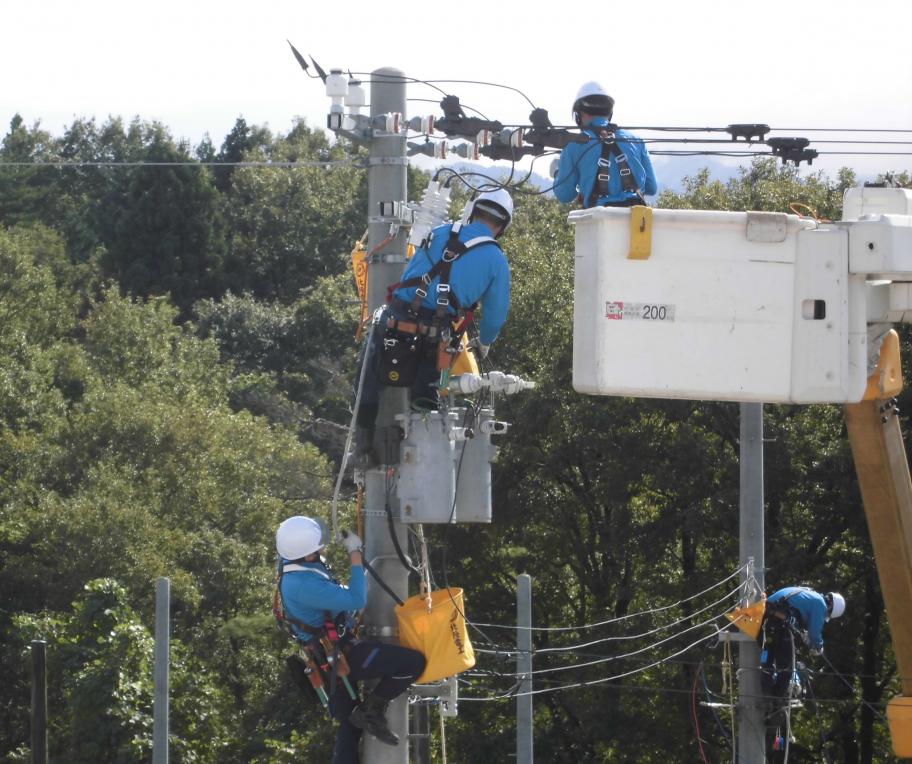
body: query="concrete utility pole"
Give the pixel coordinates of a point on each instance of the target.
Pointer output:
(752, 725)
(39, 702)
(162, 658)
(387, 182)
(524, 668)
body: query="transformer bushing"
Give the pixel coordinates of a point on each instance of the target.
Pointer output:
(427, 477)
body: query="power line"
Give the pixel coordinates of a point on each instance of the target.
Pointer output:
(623, 617)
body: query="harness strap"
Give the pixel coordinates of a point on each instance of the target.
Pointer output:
(603, 175)
(446, 298)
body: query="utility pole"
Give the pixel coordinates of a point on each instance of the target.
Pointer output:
(386, 182)
(524, 668)
(162, 657)
(752, 725)
(39, 702)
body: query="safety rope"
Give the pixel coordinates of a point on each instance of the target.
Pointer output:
(351, 432)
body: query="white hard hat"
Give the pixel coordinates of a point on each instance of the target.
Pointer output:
(298, 537)
(837, 604)
(592, 99)
(498, 204)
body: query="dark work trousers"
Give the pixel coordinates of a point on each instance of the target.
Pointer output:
(777, 657)
(424, 388)
(396, 667)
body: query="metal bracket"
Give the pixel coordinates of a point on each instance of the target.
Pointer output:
(387, 161)
(381, 631)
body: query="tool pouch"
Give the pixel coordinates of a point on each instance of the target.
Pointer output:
(399, 357)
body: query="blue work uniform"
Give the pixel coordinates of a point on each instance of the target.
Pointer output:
(809, 607)
(480, 275)
(576, 175)
(308, 590)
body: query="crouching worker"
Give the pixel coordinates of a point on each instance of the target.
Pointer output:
(317, 608)
(459, 268)
(790, 611)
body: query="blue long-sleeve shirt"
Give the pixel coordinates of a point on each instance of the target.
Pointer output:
(579, 166)
(480, 275)
(309, 589)
(810, 607)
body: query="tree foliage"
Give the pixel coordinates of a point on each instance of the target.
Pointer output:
(176, 357)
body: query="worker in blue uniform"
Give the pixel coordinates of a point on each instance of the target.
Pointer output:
(460, 267)
(790, 611)
(311, 595)
(613, 168)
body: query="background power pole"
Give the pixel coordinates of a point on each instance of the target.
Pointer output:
(162, 657)
(387, 182)
(39, 702)
(752, 724)
(524, 668)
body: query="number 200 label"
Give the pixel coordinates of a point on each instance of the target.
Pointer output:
(639, 311)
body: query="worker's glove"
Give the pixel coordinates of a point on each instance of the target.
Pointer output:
(351, 541)
(815, 652)
(555, 164)
(480, 350)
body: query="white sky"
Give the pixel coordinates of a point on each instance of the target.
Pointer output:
(197, 65)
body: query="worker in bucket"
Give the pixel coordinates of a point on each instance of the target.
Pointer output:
(794, 610)
(613, 168)
(318, 609)
(460, 266)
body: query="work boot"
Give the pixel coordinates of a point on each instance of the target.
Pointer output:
(370, 716)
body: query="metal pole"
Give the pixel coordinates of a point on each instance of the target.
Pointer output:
(39, 702)
(386, 182)
(524, 668)
(420, 724)
(162, 650)
(751, 727)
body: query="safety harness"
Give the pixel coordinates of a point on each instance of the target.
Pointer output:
(603, 176)
(446, 298)
(440, 328)
(321, 657)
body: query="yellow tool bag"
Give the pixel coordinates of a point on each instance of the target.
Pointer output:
(435, 626)
(750, 618)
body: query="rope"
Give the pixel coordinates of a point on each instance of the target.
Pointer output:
(349, 437)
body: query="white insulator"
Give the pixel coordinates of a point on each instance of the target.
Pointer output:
(483, 138)
(433, 210)
(356, 97)
(490, 427)
(423, 125)
(459, 434)
(466, 384)
(336, 84)
(508, 384)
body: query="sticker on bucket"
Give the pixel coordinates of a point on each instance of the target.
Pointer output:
(638, 311)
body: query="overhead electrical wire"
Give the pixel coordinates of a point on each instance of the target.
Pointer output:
(626, 617)
(643, 635)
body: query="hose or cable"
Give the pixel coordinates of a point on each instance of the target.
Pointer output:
(696, 720)
(383, 585)
(623, 617)
(602, 680)
(622, 656)
(349, 437)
